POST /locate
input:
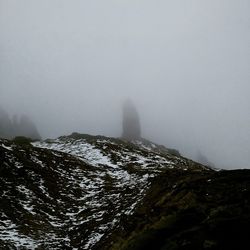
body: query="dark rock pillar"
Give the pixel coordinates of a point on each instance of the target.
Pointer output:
(131, 122)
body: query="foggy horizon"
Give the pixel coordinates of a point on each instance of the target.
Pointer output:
(70, 65)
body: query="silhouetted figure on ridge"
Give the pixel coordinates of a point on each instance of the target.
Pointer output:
(131, 122)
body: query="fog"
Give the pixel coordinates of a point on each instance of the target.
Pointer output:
(70, 65)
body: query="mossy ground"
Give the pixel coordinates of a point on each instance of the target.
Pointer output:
(189, 211)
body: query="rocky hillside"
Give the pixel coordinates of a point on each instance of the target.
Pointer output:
(95, 192)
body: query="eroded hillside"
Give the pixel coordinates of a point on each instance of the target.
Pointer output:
(72, 192)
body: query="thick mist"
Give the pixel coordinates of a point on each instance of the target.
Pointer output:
(69, 65)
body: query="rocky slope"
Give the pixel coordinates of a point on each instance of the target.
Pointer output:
(95, 192)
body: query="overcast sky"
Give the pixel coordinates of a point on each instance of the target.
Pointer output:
(70, 64)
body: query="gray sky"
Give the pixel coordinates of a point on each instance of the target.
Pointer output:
(186, 64)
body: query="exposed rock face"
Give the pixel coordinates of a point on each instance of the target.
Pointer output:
(131, 122)
(10, 128)
(6, 128)
(27, 128)
(202, 159)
